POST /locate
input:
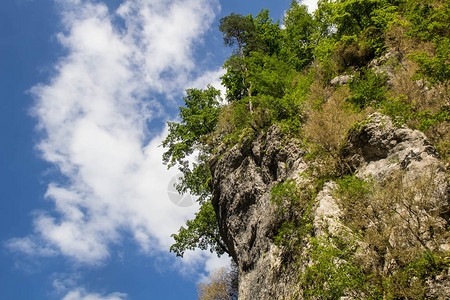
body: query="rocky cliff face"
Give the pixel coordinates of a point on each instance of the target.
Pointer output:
(376, 151)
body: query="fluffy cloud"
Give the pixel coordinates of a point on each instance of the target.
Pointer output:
(81, 294)
(312, 4)
(30, 247)
(212, 78)
(93, 116)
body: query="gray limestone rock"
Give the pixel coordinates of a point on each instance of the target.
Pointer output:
(244, 175)
(341, 80)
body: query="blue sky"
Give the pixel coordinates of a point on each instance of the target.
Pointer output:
(86, 90)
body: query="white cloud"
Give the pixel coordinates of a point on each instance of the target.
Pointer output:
(81, 294)
(166, 33)
(93, 116)
(210, 78)
(312, 4)
(28, 246)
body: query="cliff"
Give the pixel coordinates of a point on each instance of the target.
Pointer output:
(373, 227)
(324, 174)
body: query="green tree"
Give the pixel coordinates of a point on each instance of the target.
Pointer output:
(430, 22)
(194, 133)
(253, 36)
(353, 30)
(198, 121)
(267, 37)
(298, 36)
(236, 29)
(234, 79)
(270, 76)
(202, 232)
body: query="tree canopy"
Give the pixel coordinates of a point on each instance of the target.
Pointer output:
(193, 135)
(236, 29)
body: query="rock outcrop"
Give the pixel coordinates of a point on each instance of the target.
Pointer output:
(244, 176)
